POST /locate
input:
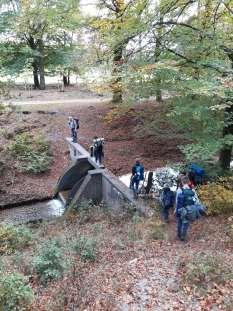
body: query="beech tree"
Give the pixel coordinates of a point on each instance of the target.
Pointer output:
(187, 54)
(120, 22)
(36, 27)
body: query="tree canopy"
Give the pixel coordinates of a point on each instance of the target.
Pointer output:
(180, 52)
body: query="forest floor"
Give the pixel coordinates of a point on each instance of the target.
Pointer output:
(47, 112)
(132, 264)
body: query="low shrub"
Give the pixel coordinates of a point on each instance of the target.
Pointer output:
(15, 293)
(158, 231)
(49, 263)
(33, 153)
(13, 238)
(203, 270)
(218, 196)
(86, 248)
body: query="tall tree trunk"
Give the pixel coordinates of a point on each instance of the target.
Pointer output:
(65, 80)
(35, 75)
(41, 65)
(68, 76)
(158, 91)
(226, 151)
(32, 44)
(117, 92)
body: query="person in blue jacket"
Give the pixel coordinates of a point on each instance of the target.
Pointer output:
(185, 198)
(137, 176)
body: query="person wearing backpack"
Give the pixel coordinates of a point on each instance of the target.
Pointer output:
(74, 126)
(188, 208)
(137, 176)
(98, 149)
(196, 174)
(167, 200)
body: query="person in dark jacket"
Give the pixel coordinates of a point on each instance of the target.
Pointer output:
(98, 149)
(167, 202)
(185, 197)
(137, 176)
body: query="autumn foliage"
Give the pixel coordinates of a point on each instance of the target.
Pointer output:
(218, 196)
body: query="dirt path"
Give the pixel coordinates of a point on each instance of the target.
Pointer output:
(65, 102)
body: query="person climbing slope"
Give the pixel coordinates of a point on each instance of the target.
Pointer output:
(188, 208)
(137, 176)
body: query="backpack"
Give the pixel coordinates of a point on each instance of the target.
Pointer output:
(139, 171)
(193, 212)
(168, 198)
(197, 172)
(189, 197)
(77, 123)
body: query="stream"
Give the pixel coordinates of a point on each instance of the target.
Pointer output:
(33, 212)
(50, 209)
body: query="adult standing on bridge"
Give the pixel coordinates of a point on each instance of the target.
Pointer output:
(74, 126)
(98, 147)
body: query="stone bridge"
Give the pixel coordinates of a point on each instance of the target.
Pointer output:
(86, 180)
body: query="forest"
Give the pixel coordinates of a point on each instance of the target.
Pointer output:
(155, 79)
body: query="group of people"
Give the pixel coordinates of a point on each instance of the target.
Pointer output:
(188, 208)
(185, 200)
(97, 147)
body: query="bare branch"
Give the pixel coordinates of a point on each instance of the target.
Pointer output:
(228, 7)
(195, 64)
(176, 24)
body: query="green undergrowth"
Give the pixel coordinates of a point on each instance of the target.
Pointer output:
(32, 152)
(66, 253)
(13, 238)
(86, 248)
(49, 263)
(15, 292)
